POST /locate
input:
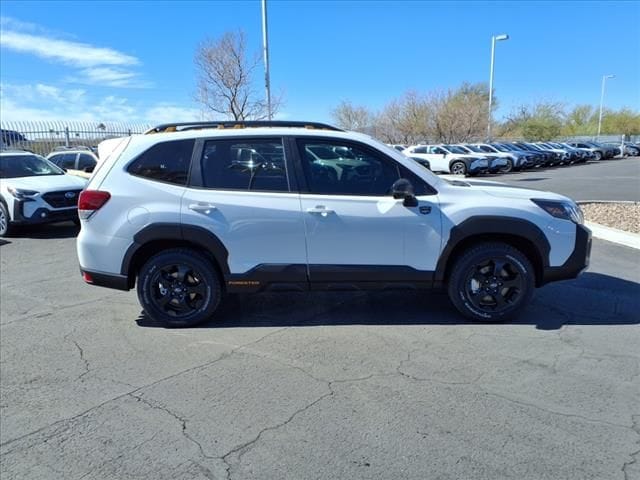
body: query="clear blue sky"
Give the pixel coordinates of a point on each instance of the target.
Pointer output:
(137, 59)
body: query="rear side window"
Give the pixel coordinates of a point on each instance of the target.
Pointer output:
(239, 164)
(165, 162)
(86, 161)
(65, 160)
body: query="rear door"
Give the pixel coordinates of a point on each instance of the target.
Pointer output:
(356, 231)
(242, 191)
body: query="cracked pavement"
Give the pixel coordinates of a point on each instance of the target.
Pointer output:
(316, 386)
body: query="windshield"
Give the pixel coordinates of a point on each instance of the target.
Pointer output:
(474, 148)
(502, 148)
(455, 149)
(14, 166)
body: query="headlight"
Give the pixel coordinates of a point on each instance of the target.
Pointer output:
(21, 193)
(561, 209)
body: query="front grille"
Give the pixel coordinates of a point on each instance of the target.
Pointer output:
(62, 198)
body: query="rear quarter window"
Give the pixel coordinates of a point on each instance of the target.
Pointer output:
(167, 162)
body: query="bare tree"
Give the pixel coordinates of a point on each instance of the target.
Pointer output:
(225, 78)
(460, 115)
(350, 117)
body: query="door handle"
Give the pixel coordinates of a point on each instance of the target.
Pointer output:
(202, 207)
(321, 209)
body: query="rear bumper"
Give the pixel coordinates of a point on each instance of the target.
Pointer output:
(107, 280)
(577, 262)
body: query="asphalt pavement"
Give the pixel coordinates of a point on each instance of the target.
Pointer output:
(328, 386)
(614, 179)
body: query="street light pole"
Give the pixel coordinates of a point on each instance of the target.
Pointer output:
(604, 81)
(494, 38)
(265, 46)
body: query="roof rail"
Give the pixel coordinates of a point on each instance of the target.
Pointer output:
(223, 124)
(62, 148)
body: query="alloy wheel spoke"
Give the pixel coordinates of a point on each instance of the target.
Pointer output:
(198, 289)
(182, 272)
(498, 267)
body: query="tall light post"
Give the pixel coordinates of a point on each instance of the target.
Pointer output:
(494, 39)
(265, 48)
(604, 81)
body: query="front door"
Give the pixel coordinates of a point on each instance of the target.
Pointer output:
(356, 232)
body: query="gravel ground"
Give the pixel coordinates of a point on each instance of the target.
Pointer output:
(623, 216)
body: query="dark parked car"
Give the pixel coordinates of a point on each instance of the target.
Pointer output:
(9, 138)
(600, 152)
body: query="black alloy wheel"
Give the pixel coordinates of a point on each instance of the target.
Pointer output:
(491, 282)
(179, 288)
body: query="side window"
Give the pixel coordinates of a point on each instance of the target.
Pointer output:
(56, 159)
(438, 151)
(239, 164)
(65, 160)
(346, 169)
(86, 161)
(165, 162)
(420, 150)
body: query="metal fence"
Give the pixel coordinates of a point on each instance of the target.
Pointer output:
(43, 137)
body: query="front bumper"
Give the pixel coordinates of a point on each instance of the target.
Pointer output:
(42, 214)
(577, 262)
(478, 166)
(497, 164)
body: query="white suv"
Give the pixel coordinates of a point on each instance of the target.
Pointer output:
(192, 211)
(33, 190)
(449, 159)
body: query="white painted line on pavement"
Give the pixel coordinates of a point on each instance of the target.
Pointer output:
(614, 235)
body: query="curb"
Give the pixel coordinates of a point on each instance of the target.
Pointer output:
(614, 235)
(624, 202)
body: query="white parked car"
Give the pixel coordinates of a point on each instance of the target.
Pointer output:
(449, 159)
(34, 190)
(190, 212)
(80, 162)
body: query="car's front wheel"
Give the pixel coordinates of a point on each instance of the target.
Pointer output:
(458, 168)
(5, 221)
(491, 282)
(179, 288)
(597, 156)
(508, 167)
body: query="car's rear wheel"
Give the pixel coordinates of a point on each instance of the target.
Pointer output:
(491, 282)
(597, 155)
(179, 288)
(458, 168)
(5, 221)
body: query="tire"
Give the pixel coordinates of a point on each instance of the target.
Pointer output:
(508, 167)
(597, 156)
(179, 288)
(458, 168)
(5, 221)
(474, 285)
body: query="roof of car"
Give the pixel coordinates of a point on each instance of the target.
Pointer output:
(9, 151)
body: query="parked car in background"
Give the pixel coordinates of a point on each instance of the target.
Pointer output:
(34, 190)
(586, 154)
(514, 161)
(398, 146)
(534, 159)
(449, 159)
(564, 156)
(599, 152)
(497, 164)
(11, 138)
(630, 150)
(80, 162)
(550, 158)
(578, 156)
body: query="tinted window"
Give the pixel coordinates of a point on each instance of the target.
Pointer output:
(86, 161)
(14, 166)
(356, 170)
(245, 165)
(165, 162)
(64, 160)
(420, 150)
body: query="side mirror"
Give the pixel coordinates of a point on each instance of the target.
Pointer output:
(402, 189)
(89, 169)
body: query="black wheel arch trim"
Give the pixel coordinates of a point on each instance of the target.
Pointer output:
(492, 225)
(199, 236)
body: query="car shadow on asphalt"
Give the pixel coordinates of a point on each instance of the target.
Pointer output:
(593, 299)
(46, 231)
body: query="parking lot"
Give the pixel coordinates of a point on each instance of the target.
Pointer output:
(364, 385)
(585, 181)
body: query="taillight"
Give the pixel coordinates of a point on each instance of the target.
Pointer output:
(91, 201)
